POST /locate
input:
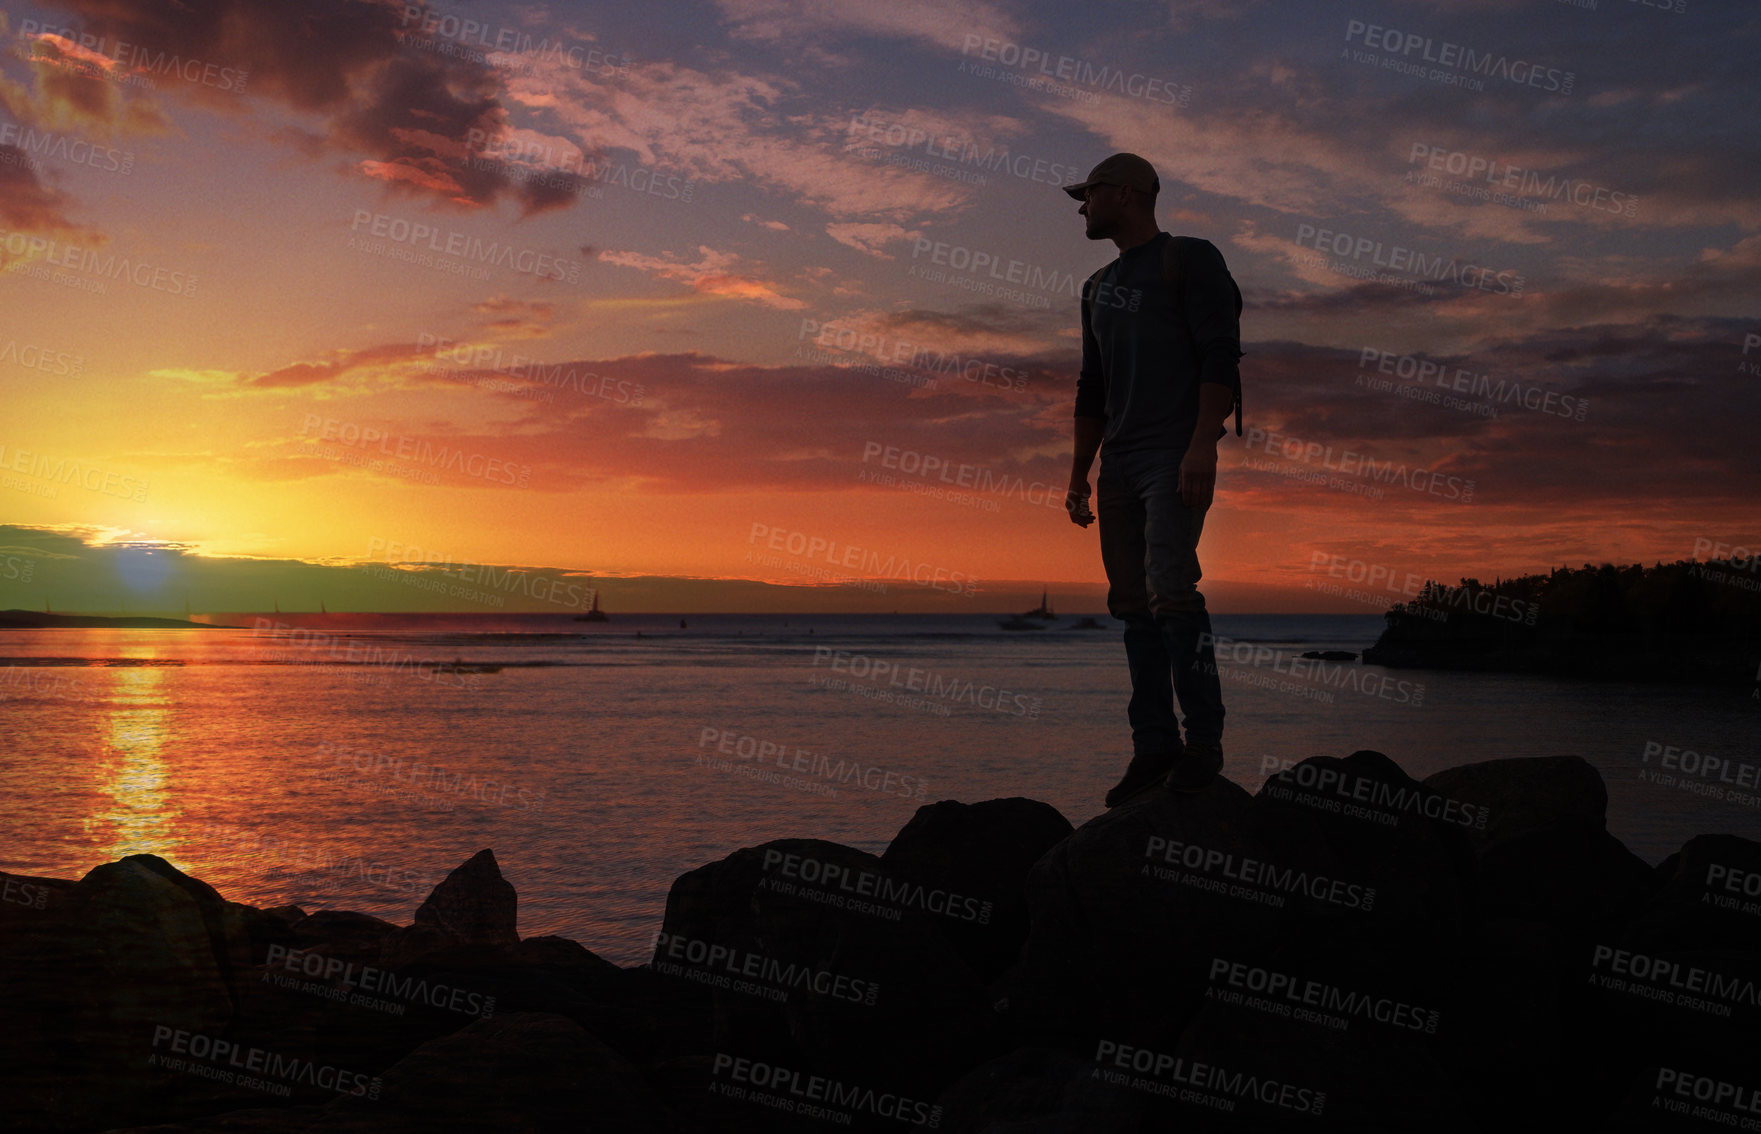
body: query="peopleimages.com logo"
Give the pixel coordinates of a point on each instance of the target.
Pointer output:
(1415, 263)
(1453, 61)
(850, 556)
(243, 1065)
(460, 247)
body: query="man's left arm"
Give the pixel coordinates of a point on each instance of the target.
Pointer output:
(1216, 333)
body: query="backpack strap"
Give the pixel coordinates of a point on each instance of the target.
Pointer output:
(1089, 285)
(1174, 255)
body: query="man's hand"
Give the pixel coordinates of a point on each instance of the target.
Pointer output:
(1076, 503)
(1198, 474)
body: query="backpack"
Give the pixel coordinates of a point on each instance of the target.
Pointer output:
(1174, 254)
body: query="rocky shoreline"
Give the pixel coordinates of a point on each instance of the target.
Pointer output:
(1346, 949)
(1684, 623)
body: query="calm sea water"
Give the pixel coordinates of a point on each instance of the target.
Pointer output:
(353, 768)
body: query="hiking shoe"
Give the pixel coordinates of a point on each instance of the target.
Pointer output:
(1147, 769)
(1196, 767)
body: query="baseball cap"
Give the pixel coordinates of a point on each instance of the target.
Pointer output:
(1128, 170)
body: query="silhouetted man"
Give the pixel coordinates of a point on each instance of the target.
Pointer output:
(1160, 339)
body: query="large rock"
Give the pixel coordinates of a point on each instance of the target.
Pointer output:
(814, 955)
(326, 987)
(474, 905)
(1128, 913)
(357, 937)
(1364, 821)
(762, 883)
(1677, 982)
(1553, 884)
(1165, 922)
(126, 958)
(1545, 853)
(1527, 794)
(1505, 1027)
(1238, 1068)
(527, 1072)
(980, 851)
(1033, 1089)
(23, 896)
(1708, 893)
(623, 1008)
(144, 901)
(1586, 882)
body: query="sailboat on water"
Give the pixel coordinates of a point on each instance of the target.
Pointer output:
(1034, 619)
(595, 614)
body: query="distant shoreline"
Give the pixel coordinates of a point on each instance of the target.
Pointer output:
(1683, 623)
(42, 620)
(489, 615)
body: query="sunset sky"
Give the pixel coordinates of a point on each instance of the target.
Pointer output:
(630, 295)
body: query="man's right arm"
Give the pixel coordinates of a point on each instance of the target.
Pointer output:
(1088, 443)
(1091, 420)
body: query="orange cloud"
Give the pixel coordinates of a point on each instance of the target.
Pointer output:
(710, 275)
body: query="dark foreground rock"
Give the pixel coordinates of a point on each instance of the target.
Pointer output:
(526, 1071)
(1345, 949)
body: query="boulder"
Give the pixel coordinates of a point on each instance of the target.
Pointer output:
(1278, 1073)
(1504, 1028)
(814, 955)
(980, 851)
(23, 896)
(1527, 794)
(474, 905)
(127, 960)
(1128, 912)
(1028, 1088)
(1708, 893)
(1545, 853)
(1586, 882)
(1678, 978)
(523, 1071)
(1364, 822)
(357, 937)
(768, 884)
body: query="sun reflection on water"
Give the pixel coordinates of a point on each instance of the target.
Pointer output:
(132, 770)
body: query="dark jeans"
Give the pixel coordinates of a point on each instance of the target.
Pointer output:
(1149, 546)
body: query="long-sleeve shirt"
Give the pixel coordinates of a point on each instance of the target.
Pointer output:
(1141, 364)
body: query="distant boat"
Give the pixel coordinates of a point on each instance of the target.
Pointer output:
(1088, 624)
(594, 615)
(1018, 622)
(1042, 611)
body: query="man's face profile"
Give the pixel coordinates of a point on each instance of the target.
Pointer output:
(1102, 206)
